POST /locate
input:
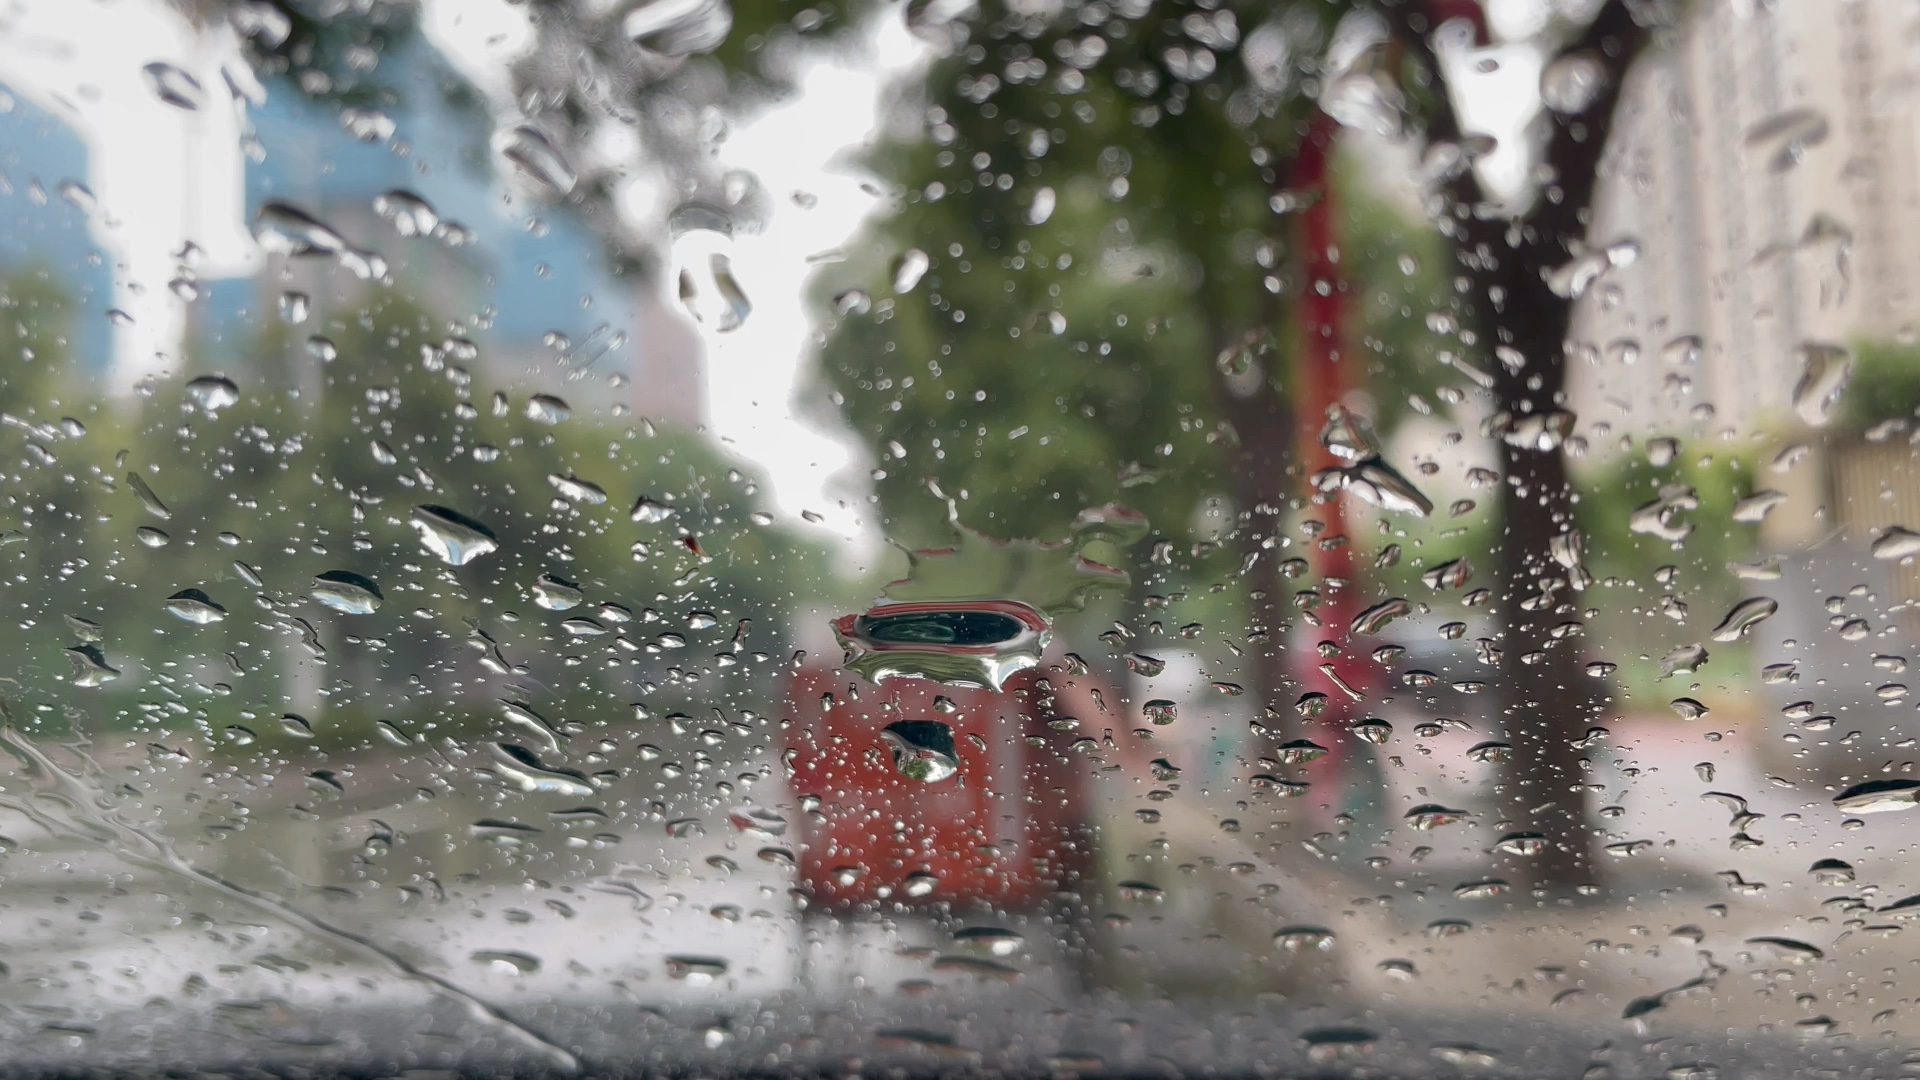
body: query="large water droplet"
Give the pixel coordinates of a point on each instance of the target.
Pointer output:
(456, 538)
(908, 269)
(285, 229)
(1745, 616)
(524, 769)
(1879, 796)
(922, 750)
(174, 86)
(90, 667)
(679, 27)
(1825, 370)
(409, 214)
(194, 606)
(211, 393)
(1572, 81)
(346, 592)
(528, 148)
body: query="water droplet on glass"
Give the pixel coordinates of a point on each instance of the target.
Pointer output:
(960, 644)
(535, 153)
(90, 667)
(524, 769)
(1160, 711)
(577, 491)
(507, 962)
(646, 511)
(284, 229)
(908, 269)
(456, 538)
(1832, 872)
(1896, 542)
(346, 592)
(990, 940)
(1744, 616)
(194, 606)
(174, 86)
(695, 969)
(548, 409)
(367, 124)
(150, 537)
(1879, 796)
(1298, 939)
(1430, 816)
(409, 214)
(922, 750)
(679, 27)
(1571, 82)
(1375, 619)
(1825, 370)
(211, 393)
(556, 593)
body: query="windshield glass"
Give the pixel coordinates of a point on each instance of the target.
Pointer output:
(1031, 536)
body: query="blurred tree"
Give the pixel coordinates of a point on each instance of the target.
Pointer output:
(1521, 308)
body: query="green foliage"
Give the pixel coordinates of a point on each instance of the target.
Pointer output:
(1628, 566)
(1885, 385)
(290, 481)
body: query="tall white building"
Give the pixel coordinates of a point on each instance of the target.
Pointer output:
(1764, 158)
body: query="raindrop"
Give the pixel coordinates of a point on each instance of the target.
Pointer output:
(150, 537)
(174, 86)
(194, 606)
(1145, 666)
(695, 969)
(1160, 711)
(1745, 616)
(535, 153)
(556, 594)
(1298, 939)
(1789, 949)
(454, 537)
(908, 269)
(1448, 575)
(1682, 660)
(367, 124)
(211, 393)
(578, 491)
(526, 771)
(1824, 374)
(1896, 542)
(409, 214)
(1832, 872)
(509, 962)
(922, 750)
(646, 511)
(679, 27)
(1430, 816)
(1521, 843)
(1570, 83)
(90, 667)
(991, 940)
(346, 592)
(1375, 619)
(284, 229)
(1879, 796)
(548, 409)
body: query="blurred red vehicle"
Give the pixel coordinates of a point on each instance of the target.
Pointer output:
(1008, 829)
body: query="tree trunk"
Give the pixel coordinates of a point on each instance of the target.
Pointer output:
(1546, 698)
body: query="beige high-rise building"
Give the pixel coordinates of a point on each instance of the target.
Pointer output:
(1765, 161)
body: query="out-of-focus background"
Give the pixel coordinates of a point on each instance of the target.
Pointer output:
(1458, 454)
